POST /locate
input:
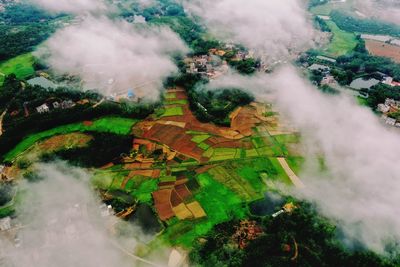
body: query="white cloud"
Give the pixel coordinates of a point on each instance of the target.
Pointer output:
(114, 56)
(62, 225)
(361, 188)
(274, 26)
(387, 10)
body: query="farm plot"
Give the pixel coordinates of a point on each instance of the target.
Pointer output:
(243, 185)
(172, 111)
(382, 49)
(114, 125)
(176, 138)
(21, 66)
(171, 200)
(218, 202)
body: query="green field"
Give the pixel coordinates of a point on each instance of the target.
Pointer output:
(220, 205)
(326, 9)
(21, 66)
(172, 111)
(176, 102)
(200, 138)
(342, 42)
(114, 125)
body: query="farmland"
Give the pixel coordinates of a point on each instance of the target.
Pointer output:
(342, 42)
(108, 124)
(191, 175)
(382, 49)
(21, 66)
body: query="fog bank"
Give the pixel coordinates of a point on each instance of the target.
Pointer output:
(62, 225)
(275, 27)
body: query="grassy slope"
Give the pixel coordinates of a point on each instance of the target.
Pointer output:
(108, 124)
(342, 42)
(21, 66)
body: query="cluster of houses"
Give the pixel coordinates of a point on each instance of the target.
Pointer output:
(210, 66)
(245, 232)
(65, 104)
(390, 106)
(327, 78)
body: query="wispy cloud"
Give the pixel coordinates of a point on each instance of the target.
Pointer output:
(114, 56)
(62, 225)
(360, 188)
(274, 27)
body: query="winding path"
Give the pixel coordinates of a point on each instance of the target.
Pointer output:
(1, 121)
(293, 177)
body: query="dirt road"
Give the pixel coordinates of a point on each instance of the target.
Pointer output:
(293, 177)
(1, 121)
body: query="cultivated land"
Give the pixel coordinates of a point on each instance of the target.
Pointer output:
(21, 66)
(383, 49)
(108, 124)
(342, 42)
(193, 175)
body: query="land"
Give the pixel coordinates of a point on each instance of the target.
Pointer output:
(383, 49)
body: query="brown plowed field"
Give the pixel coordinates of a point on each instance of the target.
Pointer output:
(382, 49)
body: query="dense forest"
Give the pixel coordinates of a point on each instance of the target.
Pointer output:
(302, 238)
(210, 105)
(22, 27)
(97, 153)
(17, 127)
(348, 23)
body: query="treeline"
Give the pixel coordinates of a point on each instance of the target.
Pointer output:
(348, 23)
(313, 3)
(17, 128)
(361, 63)
(301, 238)
(211, 105)
(97, 153)
(22, 27)
(379, 93)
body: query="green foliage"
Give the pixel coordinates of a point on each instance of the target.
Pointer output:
(216, 105)
(246, 66)
(21, 66)
(104, 148)
(349, 23)
(342, 42)
(115, 125)
(313, 3)
(321, 24)
(314, 237)
(380, 92)
(6, 193)
(22, 27)
(361, 62)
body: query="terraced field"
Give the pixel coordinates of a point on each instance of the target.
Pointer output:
(193, 175)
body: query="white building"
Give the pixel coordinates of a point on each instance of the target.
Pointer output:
(43, 108)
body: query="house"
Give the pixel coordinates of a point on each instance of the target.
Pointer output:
(5, 224)
(56, 105)
(43, 108)
(67, 104)
(328, 80)
(326, 59)
(319, 67)
(383, 108)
